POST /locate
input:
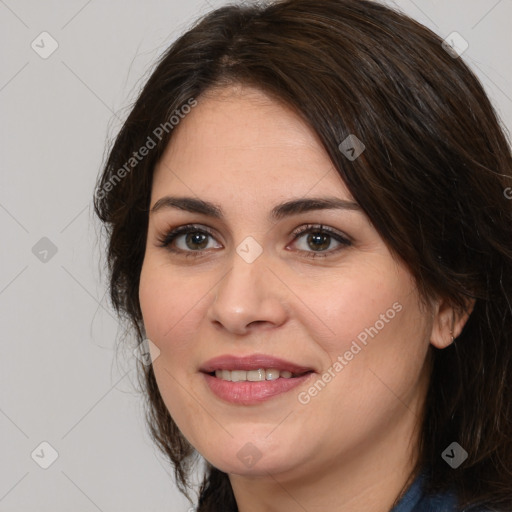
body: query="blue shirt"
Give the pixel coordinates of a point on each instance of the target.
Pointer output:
(415, 500)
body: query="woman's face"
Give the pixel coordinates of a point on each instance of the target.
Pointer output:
(332, 305)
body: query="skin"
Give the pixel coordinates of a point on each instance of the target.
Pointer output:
(352, 446)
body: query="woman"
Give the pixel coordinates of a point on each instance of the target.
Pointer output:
(307, 218)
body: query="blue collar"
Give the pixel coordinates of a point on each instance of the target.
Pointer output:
(415, 499)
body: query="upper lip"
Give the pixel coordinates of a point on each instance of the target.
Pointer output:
(252, 362)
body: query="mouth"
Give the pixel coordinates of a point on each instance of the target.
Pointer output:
(258, 375)
(252, 379)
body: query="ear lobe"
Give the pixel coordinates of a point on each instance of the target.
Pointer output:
(447, 323)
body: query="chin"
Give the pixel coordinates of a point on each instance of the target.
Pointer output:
(254, 458)
(261, 468)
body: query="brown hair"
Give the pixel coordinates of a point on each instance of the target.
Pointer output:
(433, 182)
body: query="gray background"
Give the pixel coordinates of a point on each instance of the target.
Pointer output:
(60, 380)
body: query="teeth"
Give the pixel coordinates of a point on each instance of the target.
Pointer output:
(272, 374)
(238, 375)
(252, 375)
(256, 375)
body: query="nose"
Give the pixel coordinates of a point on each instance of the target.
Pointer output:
(249, 297)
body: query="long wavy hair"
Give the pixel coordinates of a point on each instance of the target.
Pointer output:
(435, 181)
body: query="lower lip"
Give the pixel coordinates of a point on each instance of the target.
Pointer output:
(248, 393)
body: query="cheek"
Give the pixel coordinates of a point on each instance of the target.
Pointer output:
(169, 303)
(377, 334)
(360, 305)
(171, 307)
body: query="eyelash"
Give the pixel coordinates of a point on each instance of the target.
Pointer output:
(168, 238)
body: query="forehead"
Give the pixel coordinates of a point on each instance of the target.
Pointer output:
(240, 139)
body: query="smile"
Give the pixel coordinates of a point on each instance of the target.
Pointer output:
(252, 379)
(254, 375)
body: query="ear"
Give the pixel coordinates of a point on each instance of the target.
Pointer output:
(447, 323)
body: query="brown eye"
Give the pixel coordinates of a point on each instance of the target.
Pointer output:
(189, 240)
(196, 240)
(318, 240)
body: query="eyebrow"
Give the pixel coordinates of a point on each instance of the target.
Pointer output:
(289, 208)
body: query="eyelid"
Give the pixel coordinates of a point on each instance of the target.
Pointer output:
(171, 234)
(342, 239)
(320, 227)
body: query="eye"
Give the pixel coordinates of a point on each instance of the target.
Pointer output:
(189, 240)
(192, 240)
(318, 240)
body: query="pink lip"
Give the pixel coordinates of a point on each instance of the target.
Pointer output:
(252, 362)
(250, 393)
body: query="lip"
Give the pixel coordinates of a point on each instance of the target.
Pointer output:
(252, 393)
(252, 362)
